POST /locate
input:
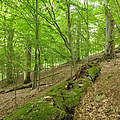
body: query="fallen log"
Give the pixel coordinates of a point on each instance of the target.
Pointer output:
(21, 87)
(24, 86)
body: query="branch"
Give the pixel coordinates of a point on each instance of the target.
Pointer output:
(56, 25)
(17, 8)
(81, 16)
(118, 4)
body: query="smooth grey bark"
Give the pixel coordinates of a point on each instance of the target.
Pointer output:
(9, 74)
(70, 37)
(87, 33)
(34, 85)
(78, 41)
(109, 42)
(53, 68)
(39, 68)
(5, 37)
(27, 78)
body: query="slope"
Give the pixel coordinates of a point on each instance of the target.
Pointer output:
(102, 101)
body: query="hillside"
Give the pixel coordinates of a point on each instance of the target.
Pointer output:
(59, 59)
(23, 96)
(100, 101)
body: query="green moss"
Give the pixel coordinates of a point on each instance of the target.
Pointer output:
(100, 96)
(68, 98)
(94, 71)
(63, 97)
(59, 107)
(20, 112)
(39, 111)
(42, 111)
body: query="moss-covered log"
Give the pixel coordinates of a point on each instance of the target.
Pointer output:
(59, 102)
(56, 104)
(93, 72)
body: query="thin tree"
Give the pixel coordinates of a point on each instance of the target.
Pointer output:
(109, 42)
(34, 85)
(70, 36)
(9, 74)
(87, 32)
(27, 78)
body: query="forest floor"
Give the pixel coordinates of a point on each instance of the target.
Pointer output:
(101, 102)
(8, 104)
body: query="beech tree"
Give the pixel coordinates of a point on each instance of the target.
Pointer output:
(37, 35)
(109, 43)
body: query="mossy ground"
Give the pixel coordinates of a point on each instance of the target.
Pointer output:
(61, 104)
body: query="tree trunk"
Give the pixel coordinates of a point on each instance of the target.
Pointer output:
(78, 41)
(28, 65)
(9, 74)
(70, 37)
(87, 33)
(34, 85)
(39, 68)
(78, 49)
(109, 43)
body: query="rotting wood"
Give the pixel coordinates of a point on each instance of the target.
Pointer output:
(82, 69)
(80, 73)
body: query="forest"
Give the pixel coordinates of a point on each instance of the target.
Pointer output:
(59, 59)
